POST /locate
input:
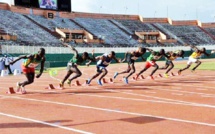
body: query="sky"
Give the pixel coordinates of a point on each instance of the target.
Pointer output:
(203, 10)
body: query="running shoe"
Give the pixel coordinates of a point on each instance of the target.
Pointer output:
(88, 82)
(18, 87)
(61, 84)
(115, 75)
(136, 77)
(193, 71)
(125, 80)
(99, 82)
(151, 77)
(166, 75)
(69, 82)
(23, 90)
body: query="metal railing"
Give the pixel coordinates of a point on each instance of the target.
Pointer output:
(15, 49)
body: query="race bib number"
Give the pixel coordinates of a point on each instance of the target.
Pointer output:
(134, 58)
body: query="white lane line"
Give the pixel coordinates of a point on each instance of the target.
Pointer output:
(175, 102)
(150, 92)
(201, 89)
(144, 100)
(207, 96)
(45, 123)
(171, 90)
(166, 99)
(118, 111)
(178, 94)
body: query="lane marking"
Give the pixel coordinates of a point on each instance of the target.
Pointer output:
(144, 100)
(160, 98)
(207, 96)
(201, 89)
(151, 92)
(117, 111)
(45, 123)
(178, 94)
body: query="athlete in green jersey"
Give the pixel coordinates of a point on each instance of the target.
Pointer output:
(151, 62)
(73, 63)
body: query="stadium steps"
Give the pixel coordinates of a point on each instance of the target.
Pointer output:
(2, 31)
(135, 37)
(168, 37)
(55, 34)
(206, 32)
(94, 36)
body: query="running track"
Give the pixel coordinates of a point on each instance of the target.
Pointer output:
(181, 105)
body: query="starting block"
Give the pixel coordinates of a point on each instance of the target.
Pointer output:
(10, 91)
(77, 83)
(111, 80)
(160, 76)
(105, 81)
(150, 78)
(134, 79)
(172, 74)
(142, 77)
(50, 87)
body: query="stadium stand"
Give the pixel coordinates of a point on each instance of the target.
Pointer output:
(25, 30)
(53, 23)
(188, 34)
(211, 31)
(134, 25)
(31, 29)
(105, 30)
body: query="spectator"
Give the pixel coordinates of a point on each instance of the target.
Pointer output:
(6, 60)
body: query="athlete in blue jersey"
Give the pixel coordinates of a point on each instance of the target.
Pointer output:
(103, 62)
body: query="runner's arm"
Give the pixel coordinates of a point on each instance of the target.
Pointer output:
(72, 48)
(21, 57)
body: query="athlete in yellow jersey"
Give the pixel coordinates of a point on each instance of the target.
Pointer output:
(28, 68)
(172, 56)
(194, 58)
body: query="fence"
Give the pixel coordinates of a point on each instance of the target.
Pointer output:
(14, 49)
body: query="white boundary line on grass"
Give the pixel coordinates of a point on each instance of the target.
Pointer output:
(45, 123)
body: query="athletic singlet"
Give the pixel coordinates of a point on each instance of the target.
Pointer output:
(135, 56)
(106, 62)
(77, 60)
(173, 57)
(195, 55)
(154, 57)
(31, 63)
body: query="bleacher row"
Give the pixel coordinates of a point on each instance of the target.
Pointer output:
(113, 32)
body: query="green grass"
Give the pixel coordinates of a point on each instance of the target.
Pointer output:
(203, 66)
